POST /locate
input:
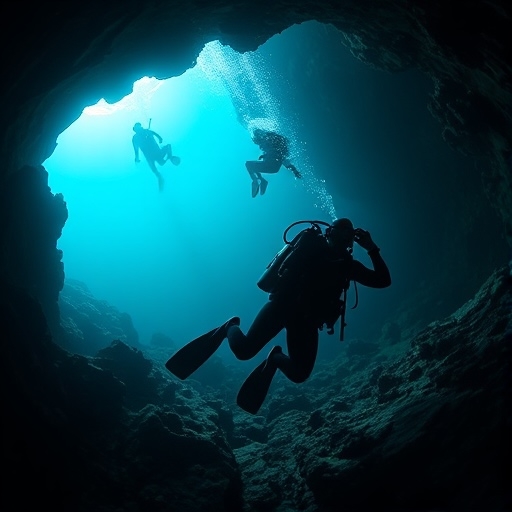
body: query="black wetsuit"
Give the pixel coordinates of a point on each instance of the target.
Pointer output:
(304, 305)
(145, 140)
(275, 154)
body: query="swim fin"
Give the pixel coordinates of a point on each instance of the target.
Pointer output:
(195, 353)
(255, 188)
(176, 160)
(254, 390)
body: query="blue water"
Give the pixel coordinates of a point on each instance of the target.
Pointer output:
(183, 260)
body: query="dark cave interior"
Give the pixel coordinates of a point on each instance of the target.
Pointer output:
(109, 430)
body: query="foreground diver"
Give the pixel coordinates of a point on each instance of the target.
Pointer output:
(307, 282)
(275, 154)
(146, 140)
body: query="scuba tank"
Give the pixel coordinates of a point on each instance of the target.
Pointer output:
(272, 278)
(269, 279)
(287, 265)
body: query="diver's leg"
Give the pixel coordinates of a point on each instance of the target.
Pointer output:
(263, 185)
(160, 156)
(268, 323)
(256, 386)
(159, 177)
(253, 167)
(167, 155)
(167, 151)
(266, 326)
(302, 344)
(257, 168)
(270, 165)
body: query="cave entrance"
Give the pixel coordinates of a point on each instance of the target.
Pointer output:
(181, 261)
(178, 261)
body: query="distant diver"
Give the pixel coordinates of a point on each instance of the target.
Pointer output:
(145, 140)
(275, 154)
(307, 283)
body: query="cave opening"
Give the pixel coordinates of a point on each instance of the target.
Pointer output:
(181, 260)
(162, 256)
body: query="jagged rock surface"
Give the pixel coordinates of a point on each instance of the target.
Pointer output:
(415, 425)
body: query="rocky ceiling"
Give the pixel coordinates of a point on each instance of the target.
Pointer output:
(68, 55)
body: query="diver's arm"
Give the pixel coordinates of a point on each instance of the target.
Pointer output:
(379, 277)
(291, 167)
(136, 150)
(160, 140)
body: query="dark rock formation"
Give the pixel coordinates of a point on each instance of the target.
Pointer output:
(416, 429)
(87, 324)
(109, 432)
(32, 222)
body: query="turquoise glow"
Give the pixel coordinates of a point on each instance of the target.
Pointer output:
(183, 260)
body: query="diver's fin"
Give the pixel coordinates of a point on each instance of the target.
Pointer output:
(255, 188)
(254, 390)
(196, 352)
(176, 160)
(263, 186)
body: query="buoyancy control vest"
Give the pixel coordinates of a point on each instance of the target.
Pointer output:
(288, 263)
(301, 270)
(274, 145)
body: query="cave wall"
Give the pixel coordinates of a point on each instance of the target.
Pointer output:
(69, 55)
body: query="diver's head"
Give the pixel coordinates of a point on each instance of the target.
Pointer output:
(137, 127)
(258, 135)
(340, 234)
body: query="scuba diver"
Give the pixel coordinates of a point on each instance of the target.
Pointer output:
(275, 154)
(307, 282)
(145, 140)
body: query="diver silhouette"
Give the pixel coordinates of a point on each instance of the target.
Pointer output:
(307, 283)
(145, 140)
(275, 154)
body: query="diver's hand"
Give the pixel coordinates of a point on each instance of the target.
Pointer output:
(364, 239)
(261, 157)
